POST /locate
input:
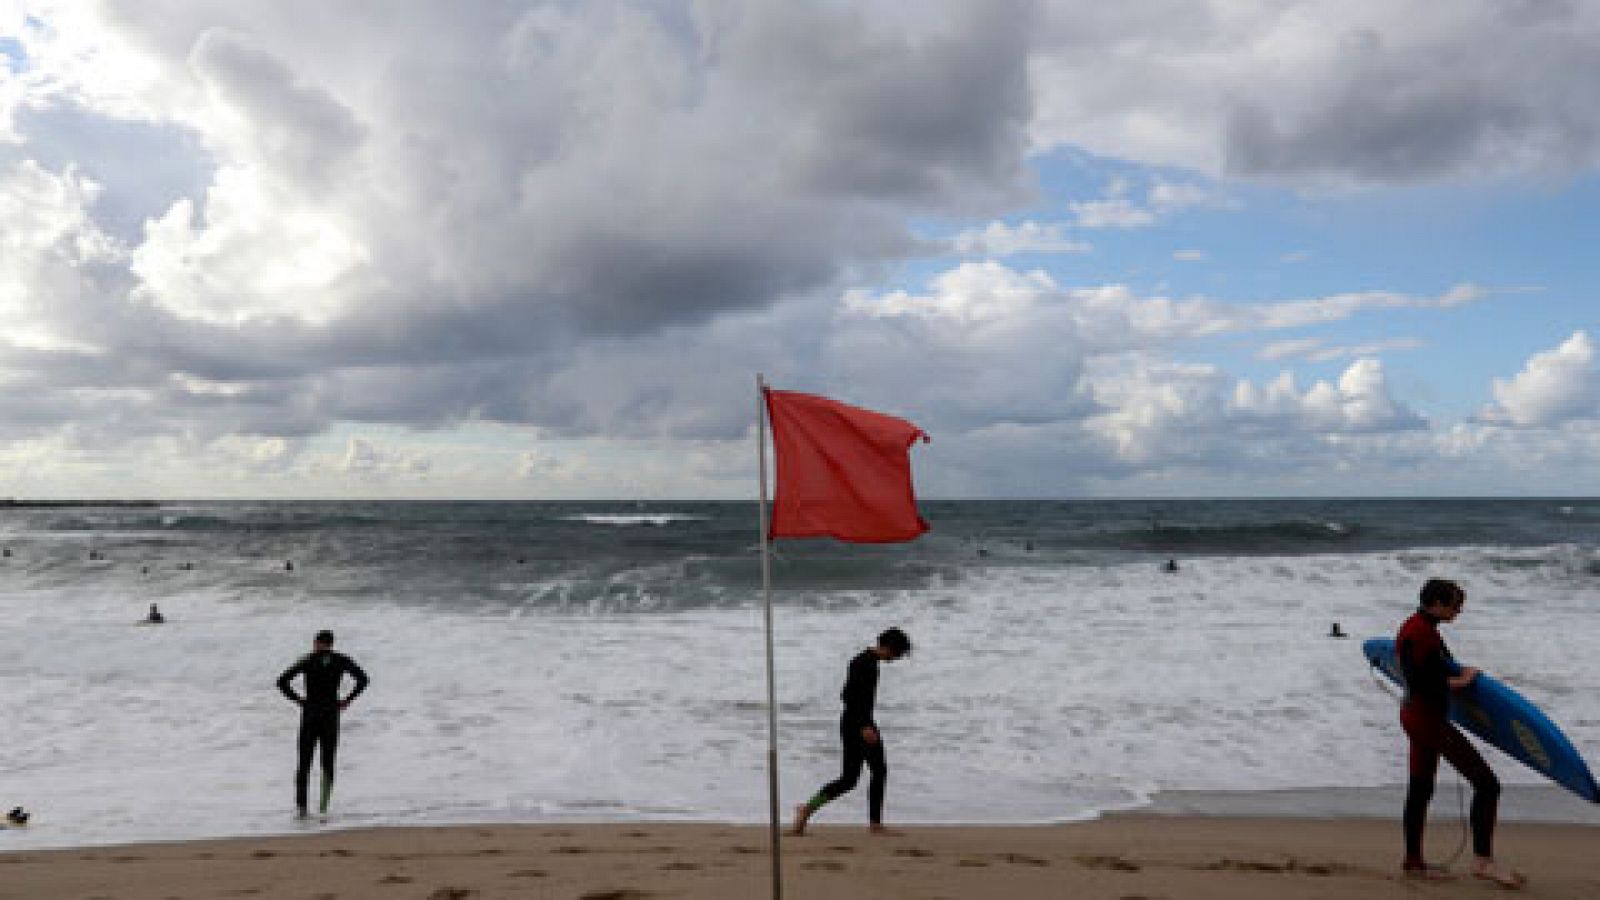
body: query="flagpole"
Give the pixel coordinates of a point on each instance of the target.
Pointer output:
(772, 692)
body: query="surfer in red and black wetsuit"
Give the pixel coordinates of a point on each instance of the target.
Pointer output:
(1430, 674)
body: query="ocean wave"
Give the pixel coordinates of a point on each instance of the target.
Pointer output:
(1250, 539)
(625, 519)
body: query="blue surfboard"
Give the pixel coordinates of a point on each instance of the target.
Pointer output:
(1504, 718)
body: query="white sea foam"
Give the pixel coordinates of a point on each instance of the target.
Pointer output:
(634, 518)
(1035, 693)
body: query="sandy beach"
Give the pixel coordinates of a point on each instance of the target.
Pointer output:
(1119, 858)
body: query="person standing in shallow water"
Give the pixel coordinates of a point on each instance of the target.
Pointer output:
(319, 710)
(1430, 675)
(859, 735)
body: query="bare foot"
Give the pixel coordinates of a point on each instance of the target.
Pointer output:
(1487, 870)
(802, 815)
(883, 831)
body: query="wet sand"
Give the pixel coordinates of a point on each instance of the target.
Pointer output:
(1118, 858)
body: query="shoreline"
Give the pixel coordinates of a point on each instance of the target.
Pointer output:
(1119, 857)
(1519, 803)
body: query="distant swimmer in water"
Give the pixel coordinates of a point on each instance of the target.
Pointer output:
(154, 617)
(18, 816)
(186, 567)
(6, 552)
(288, 565)
(1170, 565)
(1336, 631)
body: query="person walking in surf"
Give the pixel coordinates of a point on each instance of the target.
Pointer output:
(858, 732)
(1430, 675)
(319, 710)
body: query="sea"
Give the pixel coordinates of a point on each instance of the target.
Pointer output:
(579, 662)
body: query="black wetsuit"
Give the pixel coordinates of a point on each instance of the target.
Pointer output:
(859, 694)
(319, 710)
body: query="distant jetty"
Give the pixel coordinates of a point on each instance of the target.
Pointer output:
(12, 503)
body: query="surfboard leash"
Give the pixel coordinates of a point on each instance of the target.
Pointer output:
(1461, 802)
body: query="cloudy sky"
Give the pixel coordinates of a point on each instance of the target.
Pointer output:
(403, 248)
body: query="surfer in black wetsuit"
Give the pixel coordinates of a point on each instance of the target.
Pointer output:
(319, 710)
(858, 732)
(1426, 667)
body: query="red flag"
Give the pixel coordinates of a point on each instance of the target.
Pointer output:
(843, 471)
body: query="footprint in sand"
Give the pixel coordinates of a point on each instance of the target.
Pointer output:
(681, 867)
(1113, 863)
(1243, 865)
(453, 893)
(1323, 869)
(263, 854)
(624, 894)
(842, 848)
(396, 879)
(973, 863)
(911, 851)
(1022, 859)
(826, 865)
(571, 848)
(527, 873)
(741, 848)
(1228, 864)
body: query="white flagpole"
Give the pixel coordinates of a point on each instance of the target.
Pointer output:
(772, 691)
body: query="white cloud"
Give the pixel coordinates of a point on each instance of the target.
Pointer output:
(1163, 199)
(1291, 348)
(1189, 255)
(364, 458)
(1115, 211)
(1313, 349)
(1161, 413)
(1000, 239)
(1555, 386)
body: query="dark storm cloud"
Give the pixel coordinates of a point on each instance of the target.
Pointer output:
(1312, 91)
(1501, 93)
(519, 180)
(931, 117)
(1400, 126)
